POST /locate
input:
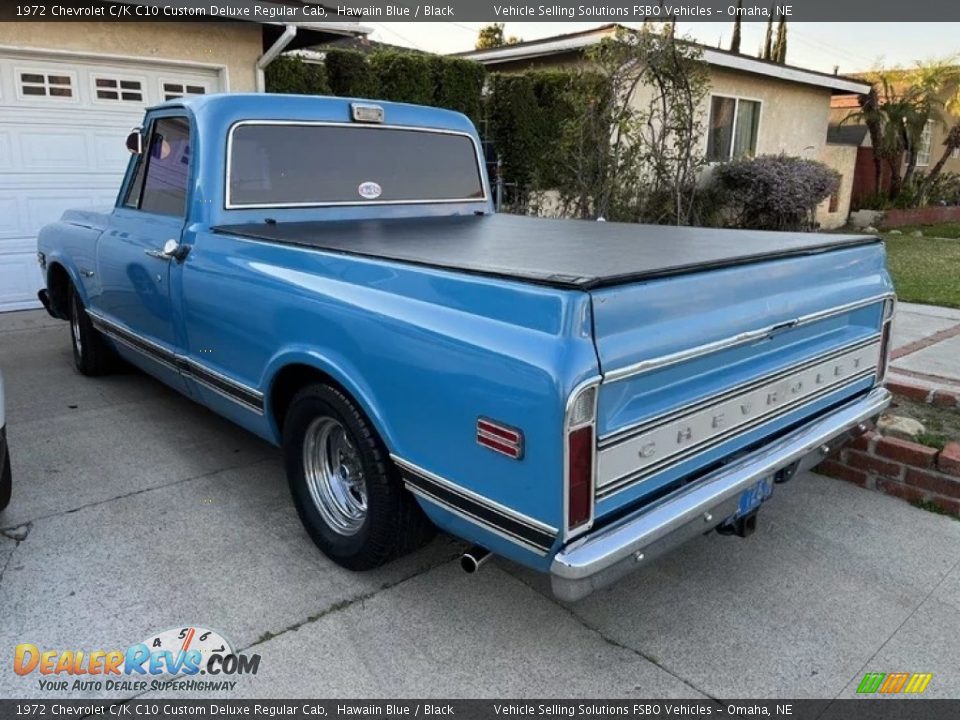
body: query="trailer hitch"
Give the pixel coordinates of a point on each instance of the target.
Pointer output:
(743, 526)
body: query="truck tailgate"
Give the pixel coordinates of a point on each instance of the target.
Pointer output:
(698, 367)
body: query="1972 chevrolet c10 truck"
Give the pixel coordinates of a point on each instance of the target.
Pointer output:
(578, 397)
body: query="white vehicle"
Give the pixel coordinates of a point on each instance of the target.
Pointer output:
(6, 480)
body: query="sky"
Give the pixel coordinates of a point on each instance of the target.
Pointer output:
(817, 46)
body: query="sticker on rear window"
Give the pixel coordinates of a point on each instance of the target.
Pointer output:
(369, 190)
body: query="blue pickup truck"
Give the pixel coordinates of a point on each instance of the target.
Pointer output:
(576, 396)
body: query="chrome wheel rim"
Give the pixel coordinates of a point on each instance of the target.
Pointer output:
(334, 475)
(75, 328)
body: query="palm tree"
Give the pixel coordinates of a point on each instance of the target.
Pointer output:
(896, 112)
(941, 79)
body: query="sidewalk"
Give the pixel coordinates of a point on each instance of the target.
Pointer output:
(926, 348)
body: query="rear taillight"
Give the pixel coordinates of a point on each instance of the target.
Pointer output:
(888, 308)
(580, 429)
(580, 476)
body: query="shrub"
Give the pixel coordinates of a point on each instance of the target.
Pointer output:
(350, 75)
(945, 189)
(290, 74)
(403, 76)
(458, 85)
(513, 115)
(775, 192)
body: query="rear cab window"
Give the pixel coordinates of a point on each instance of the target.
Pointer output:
(304, 164)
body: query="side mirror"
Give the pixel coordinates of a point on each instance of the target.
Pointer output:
(135, 141)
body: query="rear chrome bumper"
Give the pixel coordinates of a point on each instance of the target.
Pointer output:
(598, 559)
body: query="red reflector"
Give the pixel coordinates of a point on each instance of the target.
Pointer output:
(580, 476)
(503, 439)
(508, 434)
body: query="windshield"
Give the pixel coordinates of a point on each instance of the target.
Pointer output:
(276, 165)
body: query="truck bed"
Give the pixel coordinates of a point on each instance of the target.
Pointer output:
(572, 254)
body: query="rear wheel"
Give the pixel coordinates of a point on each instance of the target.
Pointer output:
(91, 353)
(347, 492)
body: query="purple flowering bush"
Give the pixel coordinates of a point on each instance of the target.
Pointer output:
(775, 192)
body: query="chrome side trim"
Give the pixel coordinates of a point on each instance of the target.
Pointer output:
(743, 338)
(134, 341)
(247, 397)
(463, 514)
(243, 395)
(492, 516)
(520, 517)
(602, 557)
(481, 166)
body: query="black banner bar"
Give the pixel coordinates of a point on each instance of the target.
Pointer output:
(899, 708)
(600, 11)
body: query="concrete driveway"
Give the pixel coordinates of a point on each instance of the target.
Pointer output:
(135, 511)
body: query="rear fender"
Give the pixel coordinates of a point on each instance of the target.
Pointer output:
(339, 369)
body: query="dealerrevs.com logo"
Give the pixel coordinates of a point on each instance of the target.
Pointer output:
(171, 660)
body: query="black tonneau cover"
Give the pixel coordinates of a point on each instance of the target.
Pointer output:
(576, 254)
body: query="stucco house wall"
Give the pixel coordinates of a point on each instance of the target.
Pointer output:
(793, 120)
(234, 45)
(793, 117)
(843, 159)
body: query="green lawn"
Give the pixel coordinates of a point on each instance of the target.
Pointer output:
(925, 270)
(940, 230)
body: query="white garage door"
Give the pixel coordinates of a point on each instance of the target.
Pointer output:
(63, 122)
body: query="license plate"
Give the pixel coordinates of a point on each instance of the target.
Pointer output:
(751, 498)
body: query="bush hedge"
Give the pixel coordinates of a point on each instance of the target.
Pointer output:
(403, 76)
(350, 74)
(775, 192)
(452, 83)
(528, 116)
(458, 85)
(514, 116)
(290, 74)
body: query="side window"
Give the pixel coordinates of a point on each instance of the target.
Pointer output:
(136, 185)
(160, 181)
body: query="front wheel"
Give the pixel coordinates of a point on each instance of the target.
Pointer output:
(347, 492)
(6, 476)
(91, 354)
(6, 481)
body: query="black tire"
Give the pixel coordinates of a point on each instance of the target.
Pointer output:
(392, 524)
(92, 355)
(6, 480)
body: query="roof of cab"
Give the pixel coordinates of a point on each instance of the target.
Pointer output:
(228, 108)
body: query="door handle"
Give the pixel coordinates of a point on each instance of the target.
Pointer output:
(172, 250)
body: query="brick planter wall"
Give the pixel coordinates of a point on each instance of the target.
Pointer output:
(907, 470)
(919, 216)
(939, 397)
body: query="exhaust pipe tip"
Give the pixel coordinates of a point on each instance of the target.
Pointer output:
(473, 558)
